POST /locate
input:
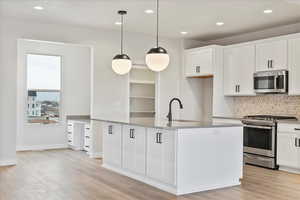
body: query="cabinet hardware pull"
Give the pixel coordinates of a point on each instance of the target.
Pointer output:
(131, 133)
(236, 88)
(268, 64)
(87, 137)
(87, 128)
(271, 63)
(69, 140)
(110, 127)
(297, 129)
(296, 142)
(159, 139)
(198, 69)
(87, 146)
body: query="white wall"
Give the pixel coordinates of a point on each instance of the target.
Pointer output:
(108, 89)
(75, 96)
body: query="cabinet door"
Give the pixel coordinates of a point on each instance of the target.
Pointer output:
(161, 155)
(271, 55)
(246, 62)
(287, 152)
(294, 67)
(112, 144)
(231, 71)
(239, 66)
(199, 62)
(134, 149)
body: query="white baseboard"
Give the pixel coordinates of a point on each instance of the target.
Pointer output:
(95, 155)
(289, 169)
(7, 162)
(42, 147)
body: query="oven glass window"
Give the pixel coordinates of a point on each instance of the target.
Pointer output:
(258, 138)
(265, 82)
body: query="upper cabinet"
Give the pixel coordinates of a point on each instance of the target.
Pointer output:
(199, 62)
(294, 67)
(239, 66)
(271, 55)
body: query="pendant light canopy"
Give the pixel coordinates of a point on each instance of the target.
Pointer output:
(121, 63)
(157, 58)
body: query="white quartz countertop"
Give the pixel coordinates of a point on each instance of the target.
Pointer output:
(175, 124)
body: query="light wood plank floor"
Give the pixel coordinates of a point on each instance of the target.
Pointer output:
(69, 175)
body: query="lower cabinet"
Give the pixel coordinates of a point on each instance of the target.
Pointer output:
(146, 152)
(288, 146)
(112, 145)
(161, 155)
(134, 149)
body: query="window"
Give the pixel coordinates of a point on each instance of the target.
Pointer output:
(43, 88)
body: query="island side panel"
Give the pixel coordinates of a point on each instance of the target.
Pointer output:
(209, 158)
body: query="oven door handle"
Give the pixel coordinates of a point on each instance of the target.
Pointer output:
(260, 127)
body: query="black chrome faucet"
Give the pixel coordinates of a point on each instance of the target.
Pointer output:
(169, 116)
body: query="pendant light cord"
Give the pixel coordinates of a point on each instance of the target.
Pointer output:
(157, 21)
(122, 22)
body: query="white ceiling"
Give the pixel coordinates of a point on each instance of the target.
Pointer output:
(198, 17)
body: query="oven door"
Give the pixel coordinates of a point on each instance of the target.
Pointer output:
(259, 140)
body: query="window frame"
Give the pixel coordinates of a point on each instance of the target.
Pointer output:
(60, 119)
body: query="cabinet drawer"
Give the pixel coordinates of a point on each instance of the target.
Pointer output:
(289, 128)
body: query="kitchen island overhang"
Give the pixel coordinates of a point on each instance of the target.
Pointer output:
(181, 158)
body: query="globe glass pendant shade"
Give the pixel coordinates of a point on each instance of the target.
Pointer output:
(157, 59)
(121, 64)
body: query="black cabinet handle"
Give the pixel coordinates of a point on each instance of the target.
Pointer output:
(69, 140)
(158, 138)
(87, 137)
(236, 88)
(297, 129)
(131, 133)
(197, 69)
(110, 131)
(87, 146)
(271, 63)
(87, 128)
(268, 64)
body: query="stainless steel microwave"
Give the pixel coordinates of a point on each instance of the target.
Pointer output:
(271, 81)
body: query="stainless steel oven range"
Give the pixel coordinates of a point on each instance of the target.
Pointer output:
(260, 138)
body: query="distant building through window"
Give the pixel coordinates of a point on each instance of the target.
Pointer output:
(43, 88)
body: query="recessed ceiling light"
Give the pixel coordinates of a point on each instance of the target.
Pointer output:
(268, 11)
(38, 7)
(149, 11)
(184, 32)
(118, 23)
(220, 23)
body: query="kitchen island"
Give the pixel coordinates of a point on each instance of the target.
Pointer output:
(180, 157)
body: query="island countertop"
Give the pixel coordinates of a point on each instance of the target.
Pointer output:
(165, 124)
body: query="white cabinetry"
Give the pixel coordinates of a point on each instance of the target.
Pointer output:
(75, 133)
(271, 55)
(199, 62)
(112, 144)
(294, 66)
(288, 147)
(87, 137)
(161, 155)
(239, 66)
(134, 149)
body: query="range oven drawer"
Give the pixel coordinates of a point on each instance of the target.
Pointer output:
(259, 161)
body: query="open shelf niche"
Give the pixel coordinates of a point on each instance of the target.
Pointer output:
(142, 86)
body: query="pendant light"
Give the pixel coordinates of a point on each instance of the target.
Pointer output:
(121, 63)
(157, 58)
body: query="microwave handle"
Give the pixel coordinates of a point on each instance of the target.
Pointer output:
(275, 82)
